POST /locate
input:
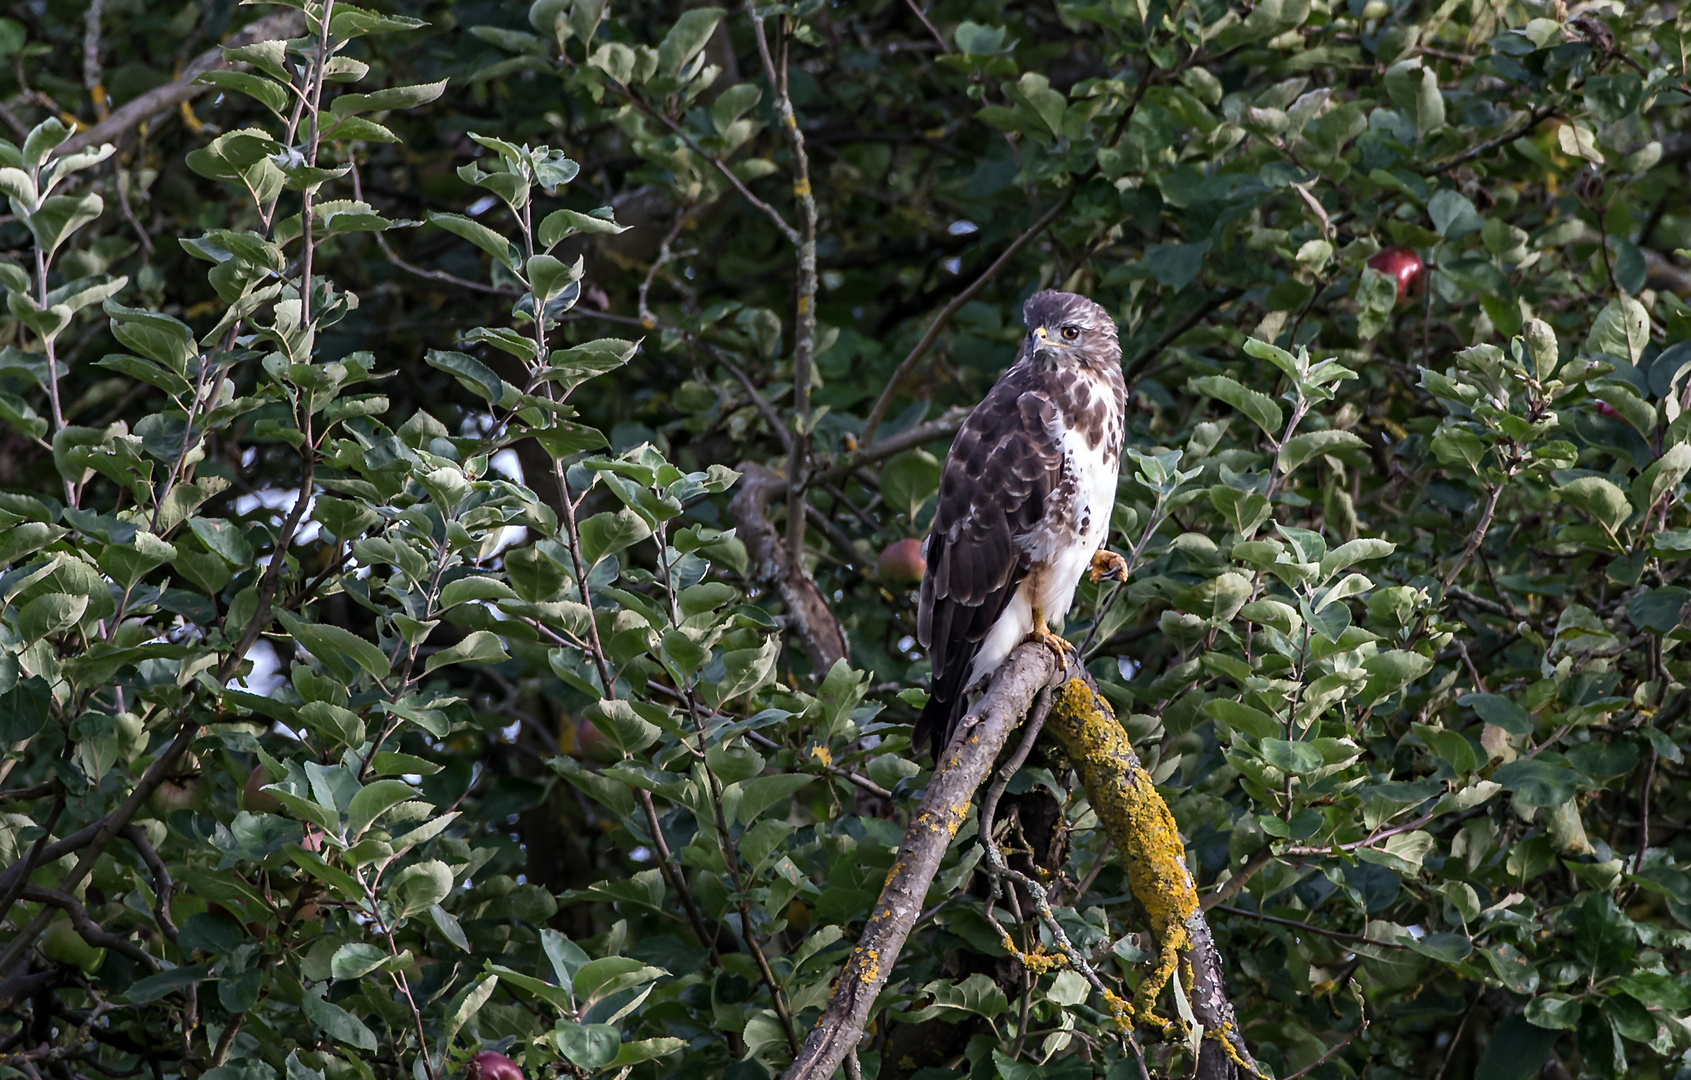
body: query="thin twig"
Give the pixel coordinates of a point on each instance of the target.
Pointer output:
(1337, 935)
(932, 29)
(879, 411)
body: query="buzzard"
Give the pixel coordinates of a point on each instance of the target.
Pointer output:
(1024, 504)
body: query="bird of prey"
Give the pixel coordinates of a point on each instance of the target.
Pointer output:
(1024, 504)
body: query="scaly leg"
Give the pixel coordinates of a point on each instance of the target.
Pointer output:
(1106, 564)
(1043, 634)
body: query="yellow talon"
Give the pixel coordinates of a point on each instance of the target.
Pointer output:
(1057, 643)
(1106, 564)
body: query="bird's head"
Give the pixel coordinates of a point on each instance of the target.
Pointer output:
(1064, 328)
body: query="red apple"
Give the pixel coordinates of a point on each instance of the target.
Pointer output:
(1403, 266)
(492, 1065)
(902, 563)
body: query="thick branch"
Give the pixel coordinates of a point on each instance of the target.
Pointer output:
(945, 804)
(1142, 829)
(813, 618)
(161, 99)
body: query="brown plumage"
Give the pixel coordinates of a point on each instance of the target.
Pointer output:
(1024, 502)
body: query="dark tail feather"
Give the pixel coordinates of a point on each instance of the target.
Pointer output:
(948, 700)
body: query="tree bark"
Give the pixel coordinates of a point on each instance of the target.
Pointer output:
(161, 99)
(1143, 830)
(945, 805)
(811, 616)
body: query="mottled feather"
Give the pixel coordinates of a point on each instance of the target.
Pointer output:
(1017, 497)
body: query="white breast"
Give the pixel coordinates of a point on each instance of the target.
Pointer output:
(1076, 525)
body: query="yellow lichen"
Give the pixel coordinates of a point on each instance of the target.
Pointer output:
(869, 962)
(1224, 1035)
(1039, 961)
(1120, 1011)
(1139, 823)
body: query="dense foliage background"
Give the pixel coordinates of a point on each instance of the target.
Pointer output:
(500, 740)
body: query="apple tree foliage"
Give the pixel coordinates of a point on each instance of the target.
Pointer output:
(383, 678)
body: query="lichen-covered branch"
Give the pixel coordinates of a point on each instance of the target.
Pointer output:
(961, 769)
(1141, 827)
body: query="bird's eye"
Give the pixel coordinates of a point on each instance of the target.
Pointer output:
(1070, 333)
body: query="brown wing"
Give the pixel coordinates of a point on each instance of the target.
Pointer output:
(998, 475)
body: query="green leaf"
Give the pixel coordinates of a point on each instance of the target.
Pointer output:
(374, 800)
(468, 1004)
(1253, 722)
(503, 251)
(610, 532)
(1622, 329)
(569, 368)
(687, 38)
(762, 792)
(1258, 406)
(1175, 266)
(1453, 215)
(633, 1053)
(336, 647)
(337, 1023)
(265, 91)
(478, 647)
(561, 224)
(1300, 448)
(732, 104)
(549, 277)
(420, 886)
(1614, 97)
(356, 959)
(908, 479)
(25, 708)
(1536, 782)
(1415, 91)
(622, 725)
(472, 374)
(606, 976)
(590, 1046)
(1390, 671)
(1513, 967)
(154, 987)
(394, 97)
(1599, 498)
(59, 216)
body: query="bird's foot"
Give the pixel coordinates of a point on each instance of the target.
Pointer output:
(1057, 643)
(1107, 565)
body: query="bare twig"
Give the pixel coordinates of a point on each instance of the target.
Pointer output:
(1233, 885)
(905, 366)
(915, 7)
(942, 427)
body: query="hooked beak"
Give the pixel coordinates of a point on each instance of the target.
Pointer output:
(1042, 340)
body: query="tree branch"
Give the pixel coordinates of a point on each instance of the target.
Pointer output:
(1140, 825)
(813, 617)
(943, 427)
(945, 804)
(162, 99)
(878, 413)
